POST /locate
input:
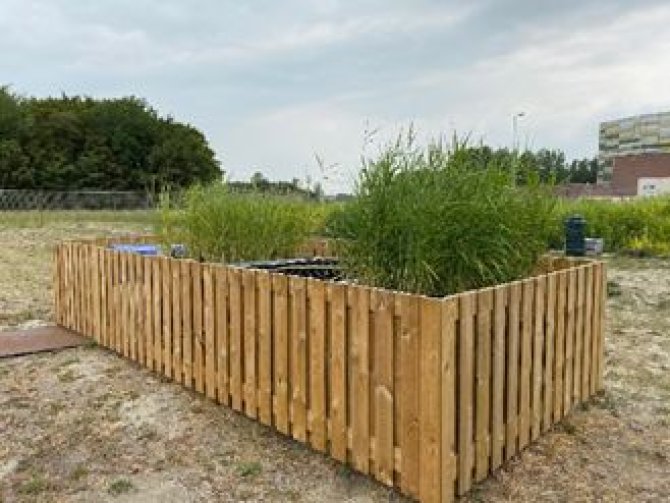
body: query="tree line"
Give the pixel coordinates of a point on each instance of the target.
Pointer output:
(81, 143)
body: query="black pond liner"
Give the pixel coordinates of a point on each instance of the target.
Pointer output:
(318, 267)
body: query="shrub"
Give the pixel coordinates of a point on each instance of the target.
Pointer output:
(219, 225)
(637, 224)
(435, 221)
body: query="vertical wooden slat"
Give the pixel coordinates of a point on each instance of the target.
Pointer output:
(559, 353)
(209, 302)
(525, 376)
(118, 302)
(359, 302)
(539, 310)
(139, 309)
(157, 315)
(601, 329)
(448, 399)
(249, 343)
(96, 296)
(512, 402)
(383, 392)
(280, 301)
(338, 371)
(236, 329)
(588, 317)
(127, 305)
(549, 344)
(177, 336)
(498, 373)
(317, 364)
(167, 295)
(264, 347)
(430, 487)
(198, 332)
(579, 336)
(409, 394)
(466, 345)
(298, 357)
(596, 334)
(483, 383)
(222, 335)
(104, 303)
(185, 368)
(147, 262)
(570, 340)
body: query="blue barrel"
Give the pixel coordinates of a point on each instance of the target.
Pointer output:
(142, 249)
(575, 239)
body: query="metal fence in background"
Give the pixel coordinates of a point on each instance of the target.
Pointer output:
(18, 200)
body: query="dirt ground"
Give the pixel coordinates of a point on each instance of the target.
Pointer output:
(83, 425)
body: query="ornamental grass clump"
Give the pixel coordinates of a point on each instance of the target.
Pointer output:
(217, 224)
(437, 221)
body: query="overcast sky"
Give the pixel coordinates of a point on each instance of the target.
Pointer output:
(273, 83)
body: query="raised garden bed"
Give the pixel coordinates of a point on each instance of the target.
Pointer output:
(429, 395)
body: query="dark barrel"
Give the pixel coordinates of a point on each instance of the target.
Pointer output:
(575, 242)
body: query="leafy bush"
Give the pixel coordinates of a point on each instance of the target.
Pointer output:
(217, 224)
(436, 221)
(634, 224)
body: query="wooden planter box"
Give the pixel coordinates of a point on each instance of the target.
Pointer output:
(427, 395)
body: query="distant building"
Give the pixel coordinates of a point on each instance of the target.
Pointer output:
(634, 153)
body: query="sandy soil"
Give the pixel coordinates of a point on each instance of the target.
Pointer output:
(84, 425)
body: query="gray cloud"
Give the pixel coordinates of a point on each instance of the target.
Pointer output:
(271, 83)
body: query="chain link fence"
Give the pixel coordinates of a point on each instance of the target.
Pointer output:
(18, 200)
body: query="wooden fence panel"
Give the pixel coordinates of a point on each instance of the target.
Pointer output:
(429, 395)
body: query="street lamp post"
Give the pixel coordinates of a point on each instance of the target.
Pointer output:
(515, 146)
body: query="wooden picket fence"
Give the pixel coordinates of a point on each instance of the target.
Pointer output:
(429, 395)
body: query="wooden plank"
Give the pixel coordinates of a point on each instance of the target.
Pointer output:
(448, 399)
(208, 301)
(498, 377)
(570, 340)
(127, 305)
(102, 261)
(177, 339)
(409, 394)
(249, 340)
(465, 391)
(282, 308)
(139, 309)
(596, 334)
(579, 336)
(430, 487)
(525, 412)
(559, 359)
(118, 306)
(512, 388)
(198, 332)
(222, 335)
(383, 393)
(359, 302)
(588, 328)
(601, 338)
(147, 263)
(483, 383)
(236, 321)
(549, 345)
(338, 371)
(96, 294)
(539, 310)
(298, 358)
(264, 291)
(157, 315)
(316, 293)
(186, 340)
(167, 267)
